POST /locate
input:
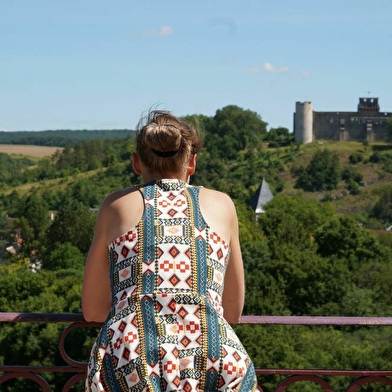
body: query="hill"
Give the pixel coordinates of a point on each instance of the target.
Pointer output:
(372, 162)
(240, 177)
(320, 248)
(239, 152)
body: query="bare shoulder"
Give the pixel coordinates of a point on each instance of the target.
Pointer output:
(119, 212)
(219, 212)
(212, 196)
(117, 197)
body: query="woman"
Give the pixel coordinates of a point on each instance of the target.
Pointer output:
(174, 279)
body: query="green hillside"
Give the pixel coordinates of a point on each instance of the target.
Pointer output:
(320, 248)
(279, 173)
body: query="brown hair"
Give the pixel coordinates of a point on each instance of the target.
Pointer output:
(165, 143)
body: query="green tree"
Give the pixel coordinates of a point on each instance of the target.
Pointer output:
(306, 283)
(382, 210)
(352, 177)
(279, 137)
(235, 129)
(356, 157)
(21, 290)
(322, 173)
(12, 203)
(64, 256)
(201, 122)
(341, 236)
(306, 214)
(32, 225)
(389, 129)
(350, 173)
(74, 223)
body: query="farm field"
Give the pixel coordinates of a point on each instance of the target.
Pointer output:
(30, 151)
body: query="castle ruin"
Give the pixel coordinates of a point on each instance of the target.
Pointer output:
(367, 123)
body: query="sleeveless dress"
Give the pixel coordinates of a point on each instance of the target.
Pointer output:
(165, 330)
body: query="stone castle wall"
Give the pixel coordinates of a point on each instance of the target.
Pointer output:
(367, 123)
(345, 126)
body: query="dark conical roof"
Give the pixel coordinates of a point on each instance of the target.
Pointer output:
(262, 196)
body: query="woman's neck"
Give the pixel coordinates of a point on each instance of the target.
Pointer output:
(151, 177)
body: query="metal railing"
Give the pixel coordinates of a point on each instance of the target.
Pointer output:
(77, 369)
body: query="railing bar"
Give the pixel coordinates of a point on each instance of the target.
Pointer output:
(41, 317)
(316, 320)
(42, 369)
(271, 320)
(325, 372)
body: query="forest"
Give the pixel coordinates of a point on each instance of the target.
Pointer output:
(321, 248)
(59, 138)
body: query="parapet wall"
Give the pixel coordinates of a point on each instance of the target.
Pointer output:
(345, 126)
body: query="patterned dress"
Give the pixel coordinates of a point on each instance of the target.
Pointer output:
(165, 331)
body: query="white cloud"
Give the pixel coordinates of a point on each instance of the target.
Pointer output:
(304, 74)
(268, 68)
(163, 31)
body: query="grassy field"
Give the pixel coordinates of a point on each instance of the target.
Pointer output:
(29, 151)
(56, 184)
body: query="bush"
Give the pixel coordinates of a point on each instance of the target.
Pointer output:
(321, 174)
(355, 157)
(351, 174)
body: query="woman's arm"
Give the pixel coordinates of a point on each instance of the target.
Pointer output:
(114, 218)
(234, 289)
(96, 283)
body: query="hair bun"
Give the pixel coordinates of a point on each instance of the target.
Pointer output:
(162, 135)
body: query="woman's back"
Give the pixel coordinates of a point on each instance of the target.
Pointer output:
(166, 329)
(174, 279)
(171, 246)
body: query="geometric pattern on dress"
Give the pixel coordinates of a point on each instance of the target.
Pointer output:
(166, 331)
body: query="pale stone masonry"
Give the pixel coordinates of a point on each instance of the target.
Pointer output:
(366, 124)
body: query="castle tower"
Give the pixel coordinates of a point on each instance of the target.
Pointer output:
(303, 122)
(367, 105)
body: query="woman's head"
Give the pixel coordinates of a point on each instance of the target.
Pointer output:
(165, 143)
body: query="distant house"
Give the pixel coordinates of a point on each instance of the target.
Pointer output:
(13, 249)
(261, 197)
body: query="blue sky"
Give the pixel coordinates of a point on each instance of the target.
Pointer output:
(94, 64)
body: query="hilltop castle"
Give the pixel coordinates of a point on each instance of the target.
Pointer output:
(367, 123)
